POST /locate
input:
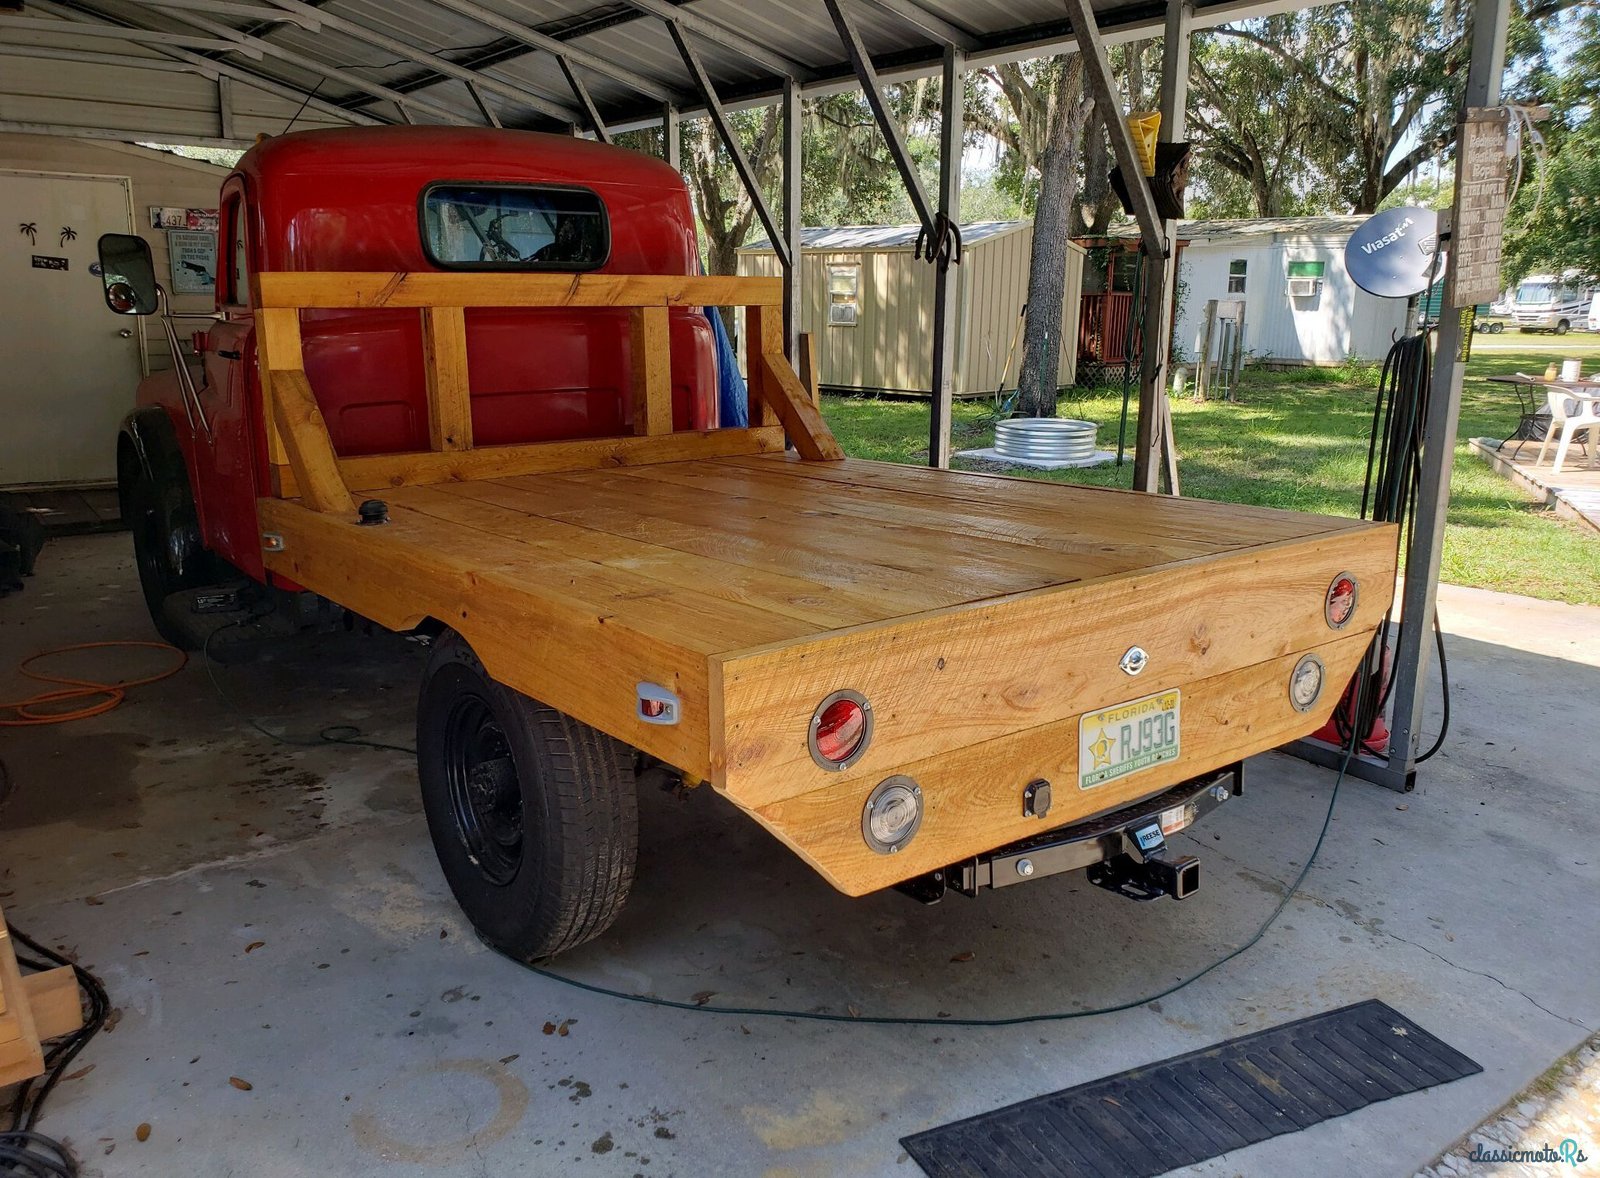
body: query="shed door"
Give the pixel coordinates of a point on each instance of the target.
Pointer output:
(71, 365)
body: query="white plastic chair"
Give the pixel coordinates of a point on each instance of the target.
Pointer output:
(1571, 414)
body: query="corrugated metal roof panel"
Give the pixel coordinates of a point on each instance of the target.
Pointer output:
(1331, 225)
(634, 42)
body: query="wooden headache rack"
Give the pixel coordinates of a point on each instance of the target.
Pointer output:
(301, 453)
(34, 1008)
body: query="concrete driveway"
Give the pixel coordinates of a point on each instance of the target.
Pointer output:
(273, 912)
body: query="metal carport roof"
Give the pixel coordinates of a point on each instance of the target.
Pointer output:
(217, 71)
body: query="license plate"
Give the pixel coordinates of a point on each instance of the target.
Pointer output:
(1126, 738)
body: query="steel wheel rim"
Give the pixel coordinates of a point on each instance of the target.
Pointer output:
(485, 797)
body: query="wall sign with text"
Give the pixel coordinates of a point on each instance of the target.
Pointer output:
(193, 254)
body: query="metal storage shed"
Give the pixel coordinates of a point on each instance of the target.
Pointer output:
(867, 300)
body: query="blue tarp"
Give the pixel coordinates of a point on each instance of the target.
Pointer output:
(733, 399)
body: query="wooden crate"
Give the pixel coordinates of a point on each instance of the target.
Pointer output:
(32, 1009)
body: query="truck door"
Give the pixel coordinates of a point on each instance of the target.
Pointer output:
(223, 454)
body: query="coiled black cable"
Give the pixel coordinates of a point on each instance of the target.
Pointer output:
(1392, 488)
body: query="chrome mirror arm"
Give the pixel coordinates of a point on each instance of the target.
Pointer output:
(191, 396)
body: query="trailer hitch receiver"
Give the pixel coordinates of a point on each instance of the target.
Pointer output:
(1147, 871)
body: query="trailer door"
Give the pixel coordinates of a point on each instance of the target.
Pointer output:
(71, 365)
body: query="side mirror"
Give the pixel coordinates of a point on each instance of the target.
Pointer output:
(128, 274)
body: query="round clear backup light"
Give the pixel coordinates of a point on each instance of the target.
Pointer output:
(893, 814)
(1340, 604)
(1305, 683)
(840, 731)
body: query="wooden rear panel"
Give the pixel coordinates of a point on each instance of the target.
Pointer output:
(973, 796)
(961, 676)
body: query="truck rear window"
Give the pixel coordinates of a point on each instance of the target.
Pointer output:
(514, 227)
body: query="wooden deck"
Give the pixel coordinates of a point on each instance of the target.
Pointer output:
(1573, 494)
(981, 615)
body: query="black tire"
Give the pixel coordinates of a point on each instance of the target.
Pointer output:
(1563, 327)
(167, 550)
(1496, 328)
(533, 815)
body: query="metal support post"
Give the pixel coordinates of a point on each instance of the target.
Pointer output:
(671, 139)
(952, 133)
(1413, 649)
(591, 113)
(867, 74)
(1154, 454)
(791, 181)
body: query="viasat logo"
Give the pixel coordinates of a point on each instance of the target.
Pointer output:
(1394, 235)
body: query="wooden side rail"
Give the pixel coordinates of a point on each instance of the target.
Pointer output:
(302, 454)
(346, 290)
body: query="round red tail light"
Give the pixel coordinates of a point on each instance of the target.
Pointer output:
(840, 729)
(1340, 606)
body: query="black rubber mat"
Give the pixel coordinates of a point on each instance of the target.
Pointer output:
(1192, 1107)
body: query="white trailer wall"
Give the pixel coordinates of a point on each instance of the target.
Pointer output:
(1338, 322)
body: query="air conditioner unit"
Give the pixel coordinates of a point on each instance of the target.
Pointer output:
(1304, 288)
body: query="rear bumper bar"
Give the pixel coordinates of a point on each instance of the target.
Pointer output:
(1085, 844)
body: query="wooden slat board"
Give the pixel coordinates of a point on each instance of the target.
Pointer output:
(334, 290)
(376, 472)
(976, 613)
(973, 796)
(20, 1056)
(971, 673)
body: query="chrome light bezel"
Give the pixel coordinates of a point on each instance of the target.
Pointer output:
(897, 781)
(860, 701)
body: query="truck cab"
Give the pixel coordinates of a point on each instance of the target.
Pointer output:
(414, 199)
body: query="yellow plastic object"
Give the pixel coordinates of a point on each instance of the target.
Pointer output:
(1144, 124)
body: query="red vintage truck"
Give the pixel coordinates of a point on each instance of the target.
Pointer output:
(462, 383)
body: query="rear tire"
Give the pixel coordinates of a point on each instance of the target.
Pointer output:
(167, 550)
(533, 814)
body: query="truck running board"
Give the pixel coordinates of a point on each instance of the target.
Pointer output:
(1125, 850)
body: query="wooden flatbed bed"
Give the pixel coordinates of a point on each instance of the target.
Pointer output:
(981, 616)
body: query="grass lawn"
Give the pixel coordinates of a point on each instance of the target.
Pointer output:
(1299, 440)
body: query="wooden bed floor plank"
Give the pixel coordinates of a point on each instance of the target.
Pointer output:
(468, 505)
(1224, 524)
(1079, 551)
(888, 592)
(932, 565)
(686, 617)
(975, 566)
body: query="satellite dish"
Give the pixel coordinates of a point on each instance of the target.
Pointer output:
(1392, 254)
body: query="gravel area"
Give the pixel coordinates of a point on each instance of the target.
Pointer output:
(1562, 1106)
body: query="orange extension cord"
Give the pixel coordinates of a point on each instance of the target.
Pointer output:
(26, 713)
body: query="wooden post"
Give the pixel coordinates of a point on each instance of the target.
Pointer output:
(299, 422)
(652, 371)
(810, 375)
(1202, 378)
(444, 349)
(755, 329)
(789, 398)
